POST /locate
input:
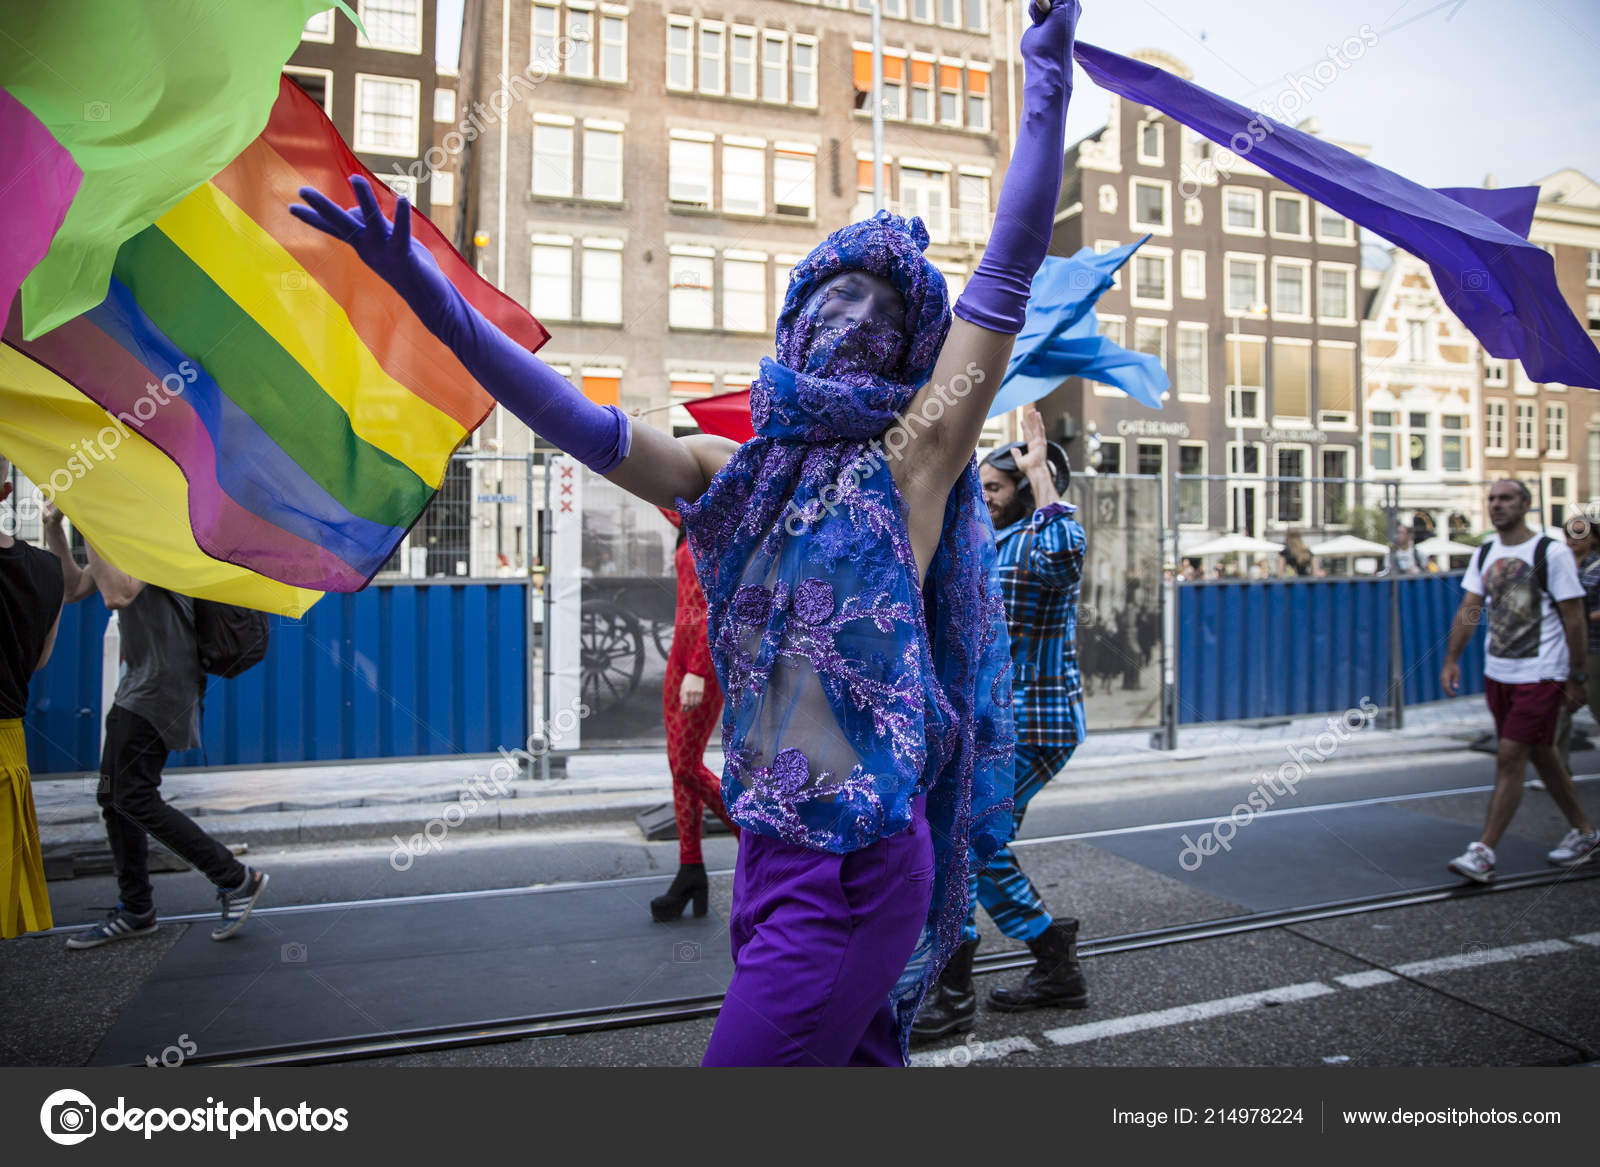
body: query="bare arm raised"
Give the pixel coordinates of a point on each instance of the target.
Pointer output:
(641, 460)
(993, 305)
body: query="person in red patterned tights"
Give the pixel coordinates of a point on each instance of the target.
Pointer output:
(690, 703)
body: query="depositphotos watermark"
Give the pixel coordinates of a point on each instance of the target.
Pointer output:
(797, 519)
(481, 789)
(68, 1117)
(1274, 784)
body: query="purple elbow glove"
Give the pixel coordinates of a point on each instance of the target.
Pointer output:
(996, 297)
(596, 435)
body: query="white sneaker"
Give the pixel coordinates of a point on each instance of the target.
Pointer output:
(1575, 848)
(1477, 863)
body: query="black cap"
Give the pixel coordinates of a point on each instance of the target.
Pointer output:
(1004, 459)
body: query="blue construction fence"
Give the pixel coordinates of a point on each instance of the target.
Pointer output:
(411, 670)
(393, 671)
(1284, 648)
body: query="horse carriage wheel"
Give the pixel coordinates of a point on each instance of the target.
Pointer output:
(612, 654)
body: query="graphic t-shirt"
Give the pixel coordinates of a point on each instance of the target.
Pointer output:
(1527, 641)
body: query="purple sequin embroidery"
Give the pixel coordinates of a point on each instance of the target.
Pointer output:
(813, 600)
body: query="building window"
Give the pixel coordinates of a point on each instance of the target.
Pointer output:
(442, 188)
(1150, 143)
(1592, 311)
(444, 106)
(1381, 439)
(744, 177)
(864, 207)
(1151, 203)
(744, 292)
(1594, 267)
(1290, 296)
(395, 25)
(602, 386)
(1332, 227)
(1151, 275)
(319, 28)
(711, 37)
(388, 114)
(602, 163)
(1289, 216)
(318, 85)
(1152, 459)
(1555, 431)
(949, 95)
(949, 12)
(401, 184)
(782, 269)
(1291, 380)
(1192, 372)
(545, 46)
(1494, 428)
(680, 54)
(977, 99)
(1191, 495)
(1417, 441)
(1557, 493)
(1336, 495)
(1150, 338)
(1194, 275)
(742, 63)
(1526, 424)
(1335, 293)
(552, 159)
(1494, 372)
(1291, 495)
(774, 67)
(1114, 329)
(1244, 284)
(805, 71)
(974, 195)
(921, 91)
(613, 48)
(1241, 210)
(794, 183)
(1454, 445)
(580, 42)
(1104, 247)
(602, 282)
(1417, 341)
(1110, 456)
(1336, 383)
(689, 170)
(977, 15)
(927, 193)
(1245, 358)
(552, 279)
(689, 302)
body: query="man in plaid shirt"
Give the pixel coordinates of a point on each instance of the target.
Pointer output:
(1040, 565)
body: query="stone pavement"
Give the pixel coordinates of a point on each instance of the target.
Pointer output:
(310, 804)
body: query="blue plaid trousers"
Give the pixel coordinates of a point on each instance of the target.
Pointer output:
(1007, 894)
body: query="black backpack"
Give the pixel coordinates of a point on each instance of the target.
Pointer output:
(231, 639)
(1541, 563)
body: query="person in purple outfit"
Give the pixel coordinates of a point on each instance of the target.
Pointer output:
(846, 555)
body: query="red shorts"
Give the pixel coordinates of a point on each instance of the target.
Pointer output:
(1525, 713)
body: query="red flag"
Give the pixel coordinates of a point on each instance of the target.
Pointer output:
(727, 415)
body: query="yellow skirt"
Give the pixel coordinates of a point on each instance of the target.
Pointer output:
(24, 901)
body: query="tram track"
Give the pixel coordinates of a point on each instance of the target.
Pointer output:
(576, 1022)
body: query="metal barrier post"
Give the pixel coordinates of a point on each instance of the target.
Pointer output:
(544, 637)
(1397, 672)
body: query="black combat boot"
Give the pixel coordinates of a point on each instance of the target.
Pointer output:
(953, 1004)
(1055, 978)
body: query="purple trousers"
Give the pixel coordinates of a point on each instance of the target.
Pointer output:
(819, 940)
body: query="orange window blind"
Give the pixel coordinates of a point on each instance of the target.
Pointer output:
(864, 174)
(950, 77)
(977, 83)
(894, 69)
(922, 72)
(691, 388)
(603, 390)
(863, 70)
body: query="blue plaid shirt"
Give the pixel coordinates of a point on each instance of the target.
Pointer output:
(1589, 577)
(1041, 597)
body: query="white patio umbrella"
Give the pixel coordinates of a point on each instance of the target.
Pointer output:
(1235, 541)
(1349, 545)
(1441, 545)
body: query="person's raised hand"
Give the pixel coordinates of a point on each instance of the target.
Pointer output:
(1035, 457)
(1049, 38)
(386, 248)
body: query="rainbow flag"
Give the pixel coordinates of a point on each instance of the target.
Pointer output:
(113, 111)
(310, 413)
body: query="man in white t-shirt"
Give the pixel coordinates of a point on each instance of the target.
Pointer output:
(1533, 667)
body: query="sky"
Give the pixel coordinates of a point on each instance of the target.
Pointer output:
(1449, 93)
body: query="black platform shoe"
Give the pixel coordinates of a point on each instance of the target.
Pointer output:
(953, 1004)
(689, 883)
(1055, 978)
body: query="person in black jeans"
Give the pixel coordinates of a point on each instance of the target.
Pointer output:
(156, 709)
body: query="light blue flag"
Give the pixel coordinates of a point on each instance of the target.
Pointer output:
(1061, 336)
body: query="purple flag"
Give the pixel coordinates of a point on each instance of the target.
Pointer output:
(1501, 286)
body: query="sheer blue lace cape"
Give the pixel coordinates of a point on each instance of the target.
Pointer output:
(850, 690)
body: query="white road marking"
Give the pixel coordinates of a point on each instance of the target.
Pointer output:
(975, 1049)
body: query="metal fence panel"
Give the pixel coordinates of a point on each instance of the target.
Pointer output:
(392, 671)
